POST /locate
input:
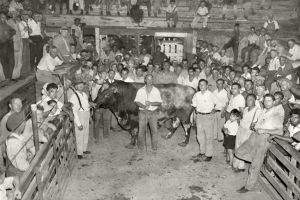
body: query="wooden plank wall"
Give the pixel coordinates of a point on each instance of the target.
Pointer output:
(281, 172)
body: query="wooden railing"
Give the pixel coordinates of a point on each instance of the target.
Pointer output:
(280, 175)
(47, 176)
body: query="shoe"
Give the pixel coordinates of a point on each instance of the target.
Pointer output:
(207, 159)
(238, 170)
(81, 12)
(183, 144)
(118, 13)
(79, 157)
(242, 190)
(199, 155)
(87, 152)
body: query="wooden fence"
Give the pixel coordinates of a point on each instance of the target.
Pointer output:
(47, 176)
(280, 175)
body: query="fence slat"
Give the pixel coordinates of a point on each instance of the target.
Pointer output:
(285, 162)
(284, 177)
(275, 184)
(286, 146)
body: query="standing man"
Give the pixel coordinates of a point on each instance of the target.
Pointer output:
(36, 40)
(234, 42)
(148, 99)
(62, 43)
(222, 99)
(204, 103)
(77, 34)
(81, 110)
(237, 101)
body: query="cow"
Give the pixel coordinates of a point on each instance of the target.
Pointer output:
(176, 107)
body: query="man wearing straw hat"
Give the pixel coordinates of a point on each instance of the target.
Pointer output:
(81, 110)
(148, 99)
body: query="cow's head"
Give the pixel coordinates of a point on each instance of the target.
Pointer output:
(107, 96)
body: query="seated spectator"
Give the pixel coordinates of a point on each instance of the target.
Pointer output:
(124, 75)
(253, 43)
(75, 55)
(144, 57)
(139, 75)
(246, 72)
(51, 94)
(201, 14)
(74, 6)
(172, 14)
(292, 134)
(191, 80)
(9, 186)
(294, 53)
(18, 158)
(115, 69)
(249, 88)
(236, 101)
(166, 76)
(271, 25)
(15, 106)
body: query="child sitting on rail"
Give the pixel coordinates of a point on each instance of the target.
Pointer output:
(9, 183)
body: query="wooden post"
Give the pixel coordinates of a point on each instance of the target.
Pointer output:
(97, 40)
(138, 42)
(65, 89)
(35, 127)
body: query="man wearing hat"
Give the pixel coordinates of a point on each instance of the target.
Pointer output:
(18, 159)
(81, 110)
(62, 43)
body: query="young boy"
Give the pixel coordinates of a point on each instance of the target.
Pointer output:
(201, 14)
(51, 94)
(9, 183)
(230, 130)
(81, 110)
(172, 13)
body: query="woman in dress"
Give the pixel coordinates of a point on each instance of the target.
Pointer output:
(249, 117)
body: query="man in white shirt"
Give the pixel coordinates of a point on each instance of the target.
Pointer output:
(47, 65)
(148, 99)
(271, 25)
(294, 53)
(204, 103)
(273, 67)
(15, 105)
(36, 39)
(253, 42)
(191, 80)
(18, 159)
(221, 101)
(237, 101)
(125, 77)
(201, 14)
(81, 110)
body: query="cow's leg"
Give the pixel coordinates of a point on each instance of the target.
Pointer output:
(174, 126)
(133, 138)
(187, 131)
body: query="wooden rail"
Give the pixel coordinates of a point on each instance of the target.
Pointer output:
(47, 176)
(280, 175)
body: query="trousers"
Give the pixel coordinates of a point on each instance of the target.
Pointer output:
(218, 125)
(205, 136)
(7, 58)
(253, 150)
(82, 136)
(145, 118)
(198, 18)
(103, 118)
(36, 50)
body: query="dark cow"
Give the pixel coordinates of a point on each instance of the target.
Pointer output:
(176, 107)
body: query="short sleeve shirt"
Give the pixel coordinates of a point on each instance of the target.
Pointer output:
(232, 127)
(154, 96)
(204, 102)
(236, 103)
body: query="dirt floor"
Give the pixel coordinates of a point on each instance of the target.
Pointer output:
(113, 172)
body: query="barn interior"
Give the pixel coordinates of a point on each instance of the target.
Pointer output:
(113, 172)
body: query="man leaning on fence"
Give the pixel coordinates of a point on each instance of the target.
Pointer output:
(253, 150)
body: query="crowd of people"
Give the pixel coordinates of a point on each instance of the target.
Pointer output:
(243, 100)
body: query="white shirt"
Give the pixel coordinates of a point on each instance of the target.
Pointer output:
(224, 60)
(204, 102)
(269, 22)
(295, 51)
(15, 151)
(253, 39)
(24, 33)
(76, 105)
(274, 64)
(202, 11)
(232, 127)
(154, 96)
(139, 79)
(171, 9)
(217, 56)
(35, 27)
(47, 63)
(236, 102)
(193, 83)
(246, 76)
(180, 79)
(222, 99)
(7, 184)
